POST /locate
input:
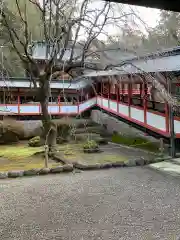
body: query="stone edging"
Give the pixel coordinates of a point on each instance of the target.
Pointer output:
(69, 167)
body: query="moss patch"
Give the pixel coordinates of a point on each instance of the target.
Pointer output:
(20, 156)
(74, 152)
(137, 142)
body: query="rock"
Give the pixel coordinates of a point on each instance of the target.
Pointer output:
(95, 150)
(35, 142)
(147, 161)
(130, 163)
(68, 168)
(9, 137)
(93, 166)
(140, 162)
(15, 174)
(31, 172)
(76, 170)
(57, 169)
(106, 165)
(81, 166)
(102, 141)
(44, 171)
(3, 175)
(118, 164)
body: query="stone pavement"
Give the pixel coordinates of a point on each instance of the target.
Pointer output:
(171, 166)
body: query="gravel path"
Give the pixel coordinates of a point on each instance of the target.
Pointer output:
(129, 203)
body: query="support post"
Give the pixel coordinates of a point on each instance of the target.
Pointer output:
(171, 125)
(129, 97)
(161, 145)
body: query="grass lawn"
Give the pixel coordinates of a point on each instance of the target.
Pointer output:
(21, 157)
(74, 152)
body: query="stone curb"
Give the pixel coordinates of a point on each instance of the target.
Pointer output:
(129, 163)
(76, 165)
(35, 172)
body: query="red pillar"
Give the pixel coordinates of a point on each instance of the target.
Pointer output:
(101, 92)
(122, 92)
(145, 101)
(167, 111)
(78, 100)
(109, 91)
(117, 96)
(129, 97)
(167, 116)
(101, 88)
(59, 100)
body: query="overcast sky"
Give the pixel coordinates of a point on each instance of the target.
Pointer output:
(149, 15)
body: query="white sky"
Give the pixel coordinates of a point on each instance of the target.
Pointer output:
(148, 15)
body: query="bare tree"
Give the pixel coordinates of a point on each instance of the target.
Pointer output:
(70, 30)
(62, 24)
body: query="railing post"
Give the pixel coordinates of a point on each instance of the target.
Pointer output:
(18, 104)
(117, 97)
(59, 100)
(171, 124)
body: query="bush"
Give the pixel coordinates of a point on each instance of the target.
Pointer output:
(91, 145)
(35, 142)
(137, 142)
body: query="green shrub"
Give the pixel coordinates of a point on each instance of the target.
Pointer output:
(90, 144)
(137, 142)
(35, 142)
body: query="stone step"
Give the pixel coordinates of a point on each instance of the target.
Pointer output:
(176, 161)
(95, 129)
(169, 167)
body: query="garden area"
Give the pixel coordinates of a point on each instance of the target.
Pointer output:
(78, 141)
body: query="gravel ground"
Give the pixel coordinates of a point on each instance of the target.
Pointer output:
(129, 203)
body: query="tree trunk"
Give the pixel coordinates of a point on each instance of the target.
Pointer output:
(50, 129)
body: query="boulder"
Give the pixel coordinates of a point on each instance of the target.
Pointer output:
(81, 166)
(35, 142)
(95, 150)
(44, 171)
(10, 131)
(106, 165)
(15, 174)
(57, 169)
(140, 162)
(3, 175)
(31, 172)
(8, 137)
(118, 164)
(130, 163)
(68, 168)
